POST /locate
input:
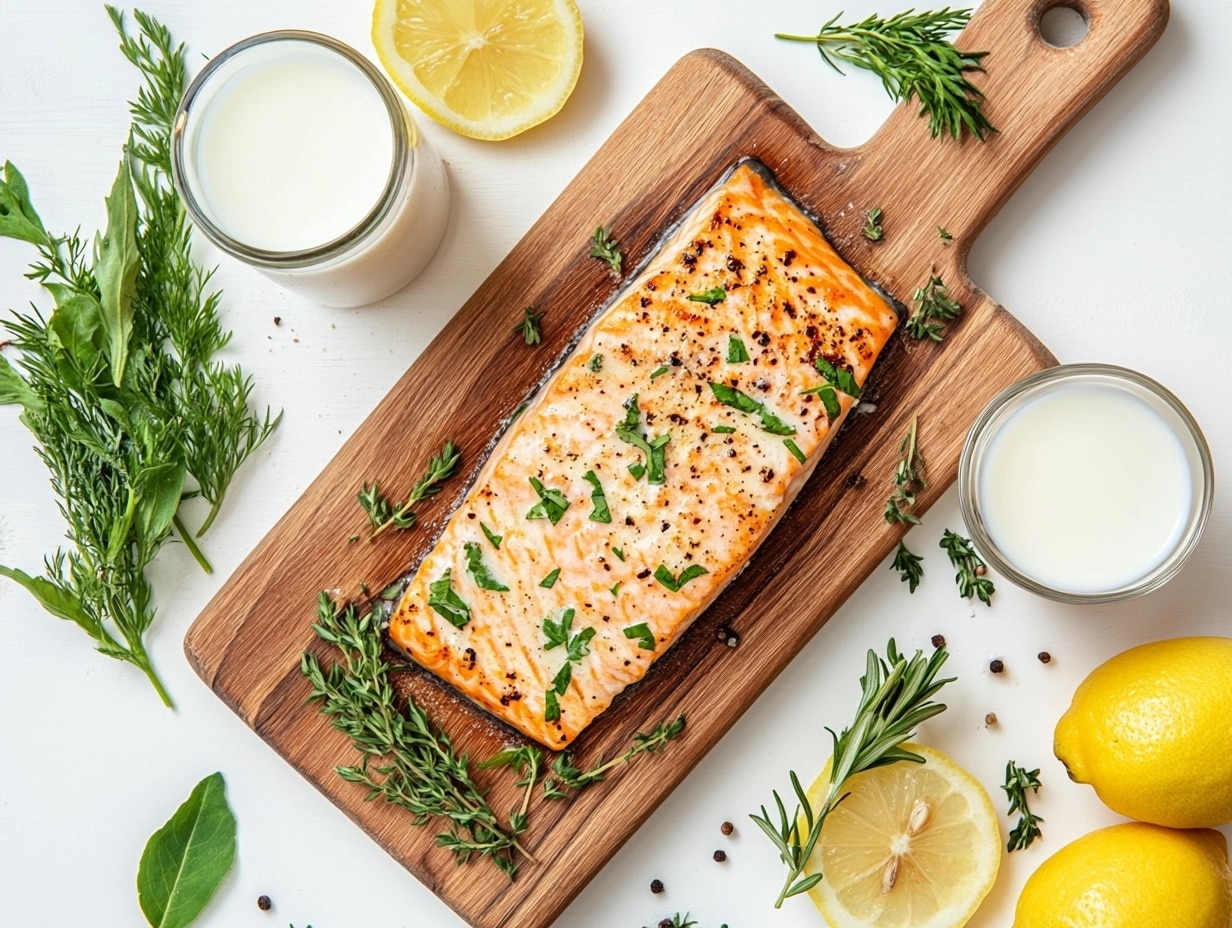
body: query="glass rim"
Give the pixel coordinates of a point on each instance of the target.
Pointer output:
(402, 156)
(986, 426)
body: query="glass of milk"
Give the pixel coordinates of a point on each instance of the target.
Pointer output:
(294, 154)
(1086, 483)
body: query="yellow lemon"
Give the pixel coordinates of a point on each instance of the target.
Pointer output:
(1151, 730)
(488, 69)
(912, 846)
(1132, 876)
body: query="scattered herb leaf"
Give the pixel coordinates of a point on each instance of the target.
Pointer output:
(794, 449)
(730, 396)
(556, 631)
(552, 503)
(550, 580)
(551, 706)
(946, 237)
(619, 552)
(908, 479)
(934, 307)
(872, 225)
(479, 570)
(674, 583)
(1017, 781)
(604, 247)
(566, 776)
(645, 637)
(528, 326)
(600, 512)
(446, 602)
(659, 371)
(384, 515)
(493, 538)
(723, 429)
(595, 363)
(970, 577)
(737, 353)
(910, 567)
(710, 297)
(841, 377)
(654, 450)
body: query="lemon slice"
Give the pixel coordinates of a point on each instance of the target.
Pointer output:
(488, 69)
(912, 846)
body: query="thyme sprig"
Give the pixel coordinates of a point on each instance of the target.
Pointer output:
(915, 60)
(909, 480)
(119, 384)
(896, 699)
(971, 568)
(565, 775)
(933, 308)
(384, 515)
(528, 326)
(872, 225)
(605, 247)
(405, 760)
(1017, 781)
(910, 567)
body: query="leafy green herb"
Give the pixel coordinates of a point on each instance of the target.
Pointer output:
(645, 637)
(872, 225)
(528, 326)
(620, 554)
(446, 602)
(566, 776)
(595, 363)
(550, 580)
(654, 450)
(493, 538)
(556, 634)
(561, 682)
(527, 762)
(841, 377)
(730, 396)
(681, 921)
(615, 589)
(794, 449)
(711, 296)
(737, 353)
(908, 479)
(723, 430)
(600, 512)
(185, 861)
(971, 569)
(910, 567)
(556, 631)
(1017, 782)
(946, 237)
(479, 570)
(604, 247)
(896, 699)
(659, 372)
(120, 386)
(552, 503)
(384, 515)
(934, 308)
(674, 583)
(405, 761)
(829, 400)
(913, 58)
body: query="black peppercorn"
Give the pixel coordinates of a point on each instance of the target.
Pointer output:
(1044, 657)
(264, 904)
(938, 641)
(727, 828)
(990, 718)
(720, 856)
(997, 665)
(656, 886)
(665, 923)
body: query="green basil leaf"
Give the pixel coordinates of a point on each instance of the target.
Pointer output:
(642, 632)
(560, 684)
(723, 430)
(115, 269)
(159, 490)
(579, 645)
(736, 352)
(600, 513)
(445, 601)
(51, 596)
(551, 708)
(659, 371)
(773, 424)
(841, 377)
(479, 570)
(730, 396)
(550, 580)
(552, 503)
(491, 536)
(185, 861)
(17, 216)
(77, 326)
(674, 583)
(556, 631)
(829, 399)
(14, 391)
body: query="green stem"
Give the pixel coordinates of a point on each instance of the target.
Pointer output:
(187, 538)
(142, 660)
(209, 520)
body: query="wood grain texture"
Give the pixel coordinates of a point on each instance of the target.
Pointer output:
(705, 114)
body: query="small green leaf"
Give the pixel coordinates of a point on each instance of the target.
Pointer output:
(841, 377)
(730, 396)
(829, 399)
(445, 601)
(794, 449)
(552, 503)
(14, 391)
(116, 260)
(659, 371)
(595, 363)
(550, 580)
(77, 326)
(600, 512)
(17, 216)
(159, 489)
(51, 596)
(674, 583)
(619, 552)
(723, 430)
(185, 861)
(563, 676)
(491, 536)
(479, 570)
(710, 297)
(556, 631)
(642, 632)
(736, 352)
(579, 644)
(551, 708)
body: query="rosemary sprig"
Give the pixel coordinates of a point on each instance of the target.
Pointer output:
(528, 326)
(896, 699)
(872, 225)
(909, 480)
(1017, 782)
(971, 568)
(934, 307)
(915, 60)
(118, 384)
(604, 247)
(910, 567)
(405, 760)
(383, 515)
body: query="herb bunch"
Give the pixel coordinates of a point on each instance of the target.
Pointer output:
(933, 308)
(405, 760)
(971, 568)
(118, 384)
(1017, 781)
(896, 699)
(912, 55)
(384, 515)
(909, 479)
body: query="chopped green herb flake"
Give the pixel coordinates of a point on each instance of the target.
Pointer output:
(445, 601)
(642, 632)
(829, 399)
(655, 451)
(600, 513)
(711, 296)
(595, 363)
(479, 570)
(723, 429)
(841, 377)
(528, 326)
(736, 352)
(550, 580)
(674, 583)
(946, 237)
(615, 590)
(637, 470)
(794, 449)
(563, 676)
(551, 708)
(579, 644)
(659, 371)
(620, 554)
(552, 503)
(491, 536)
(872, 225)
(606, 248)
(730, 396)
(556, 631)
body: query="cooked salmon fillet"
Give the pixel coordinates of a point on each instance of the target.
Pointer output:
(649, 468)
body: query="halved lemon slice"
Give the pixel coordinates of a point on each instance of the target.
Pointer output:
(488, 69)
(912, 846)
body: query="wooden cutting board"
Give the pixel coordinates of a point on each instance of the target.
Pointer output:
(707, 112)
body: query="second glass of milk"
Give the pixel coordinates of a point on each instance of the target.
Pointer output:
(294, 154)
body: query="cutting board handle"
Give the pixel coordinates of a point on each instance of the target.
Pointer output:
(1034, 92)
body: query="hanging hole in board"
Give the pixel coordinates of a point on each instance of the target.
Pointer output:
(1063, 26)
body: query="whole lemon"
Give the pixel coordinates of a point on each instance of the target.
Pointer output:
(1151, 730)
(1132, 876)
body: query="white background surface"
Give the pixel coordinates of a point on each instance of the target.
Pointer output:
(1115, 250)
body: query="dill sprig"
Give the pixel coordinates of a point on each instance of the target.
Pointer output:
(604, 247)
(933, 308)
(1017, 781)
(405, 760)
(910, 567)
(383, 515)
(896, 699)
(971, 568)
(528, 326)
(872, 225)
(118, 384)
(909, 480)
(915, 60)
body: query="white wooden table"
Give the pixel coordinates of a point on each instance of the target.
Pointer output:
(1116, 250)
